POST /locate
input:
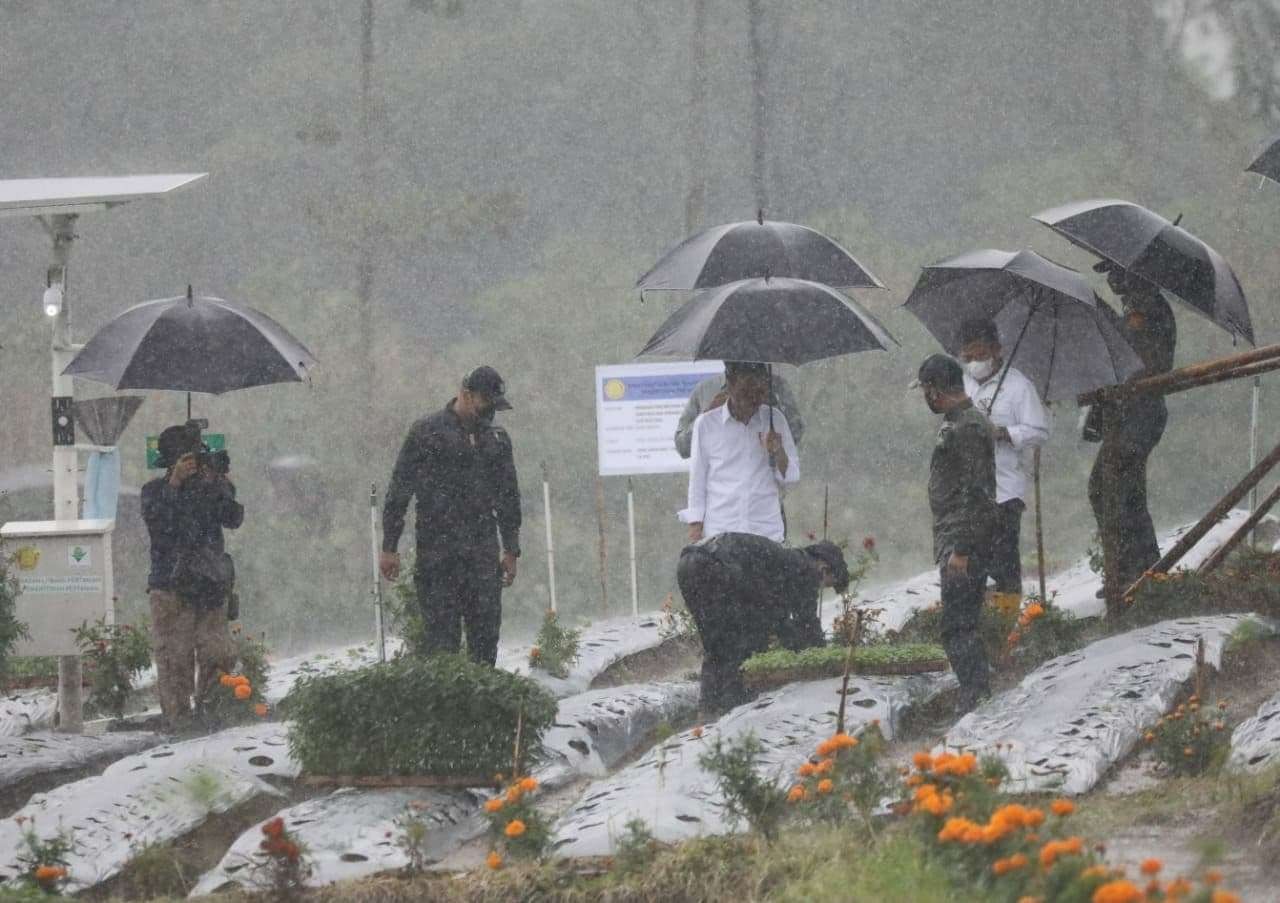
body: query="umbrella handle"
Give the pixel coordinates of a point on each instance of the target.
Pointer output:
(1035, 306)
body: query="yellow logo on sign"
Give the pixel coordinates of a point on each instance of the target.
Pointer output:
(28, 557)
(615, 389)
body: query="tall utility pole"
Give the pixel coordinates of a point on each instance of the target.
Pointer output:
(759, 157)
(695, 201)
(364, 278)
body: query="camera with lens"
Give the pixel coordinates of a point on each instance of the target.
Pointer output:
(218, 462)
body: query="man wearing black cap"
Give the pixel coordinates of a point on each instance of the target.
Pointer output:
(962, 498)
(460, 467)
(190, 583)
(1130, 430)
(743, 589)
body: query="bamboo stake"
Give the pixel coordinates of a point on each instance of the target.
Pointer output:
(1156, 384)
(1039, 529)
(854, 635)
(1248, 370)
(515, 760)
(1206, 523)
(1237, 537)
(603, 547)
(1200, 668)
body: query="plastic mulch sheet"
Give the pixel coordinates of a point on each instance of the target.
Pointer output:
(1255, 743)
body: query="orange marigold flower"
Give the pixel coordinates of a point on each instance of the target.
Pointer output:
(514, 793)
(1213, 876)
(274, 828)
(514, 828)
(1222, 896)
(825, 786)
(243, 691)
(824, 767)
(1033, 818)
(826, 748)
(844, 741)
(240, 680)
(1095, 871)
(494, 805)
(528, 785)
(50, 873)
(290, 850)
(796, 794)
(915, 780)
(937, 804)
(493, 860)
(227, 680)
(922, 761)
(1062, 807)
(1034, 610)
(1118, 892)
(261, 710)
(697, 732)
(806, 770)
(1151, 866)
(956, 829)
(1029, 900)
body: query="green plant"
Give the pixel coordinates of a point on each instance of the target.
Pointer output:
(224, 703)
(1043, 631)
(440, 715)
(404, 615)
(515, 823)
(635, 849)
(116, 654)
(1094, 554)
(1191, 739)
(747, 795)
(675, 622)
(844, 780)
(412, 838)
(556, 647)
(280, 865)
(11, 629)
(44, 861)
(849, 627)
(774, 665)
(155, 870)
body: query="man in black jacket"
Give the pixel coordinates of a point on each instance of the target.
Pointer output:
(1130, 430)
(742, 589)
(459, 465)
(962, 499)
(186, 511)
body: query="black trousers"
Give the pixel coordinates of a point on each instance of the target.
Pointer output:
(1005, 567)
(458, 591)
(730, 627)
(1118, 496)
(962, 601)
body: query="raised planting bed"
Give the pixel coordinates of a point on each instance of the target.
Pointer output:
(441, 717)
(778, 667)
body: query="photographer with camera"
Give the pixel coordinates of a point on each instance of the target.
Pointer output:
(191, 574)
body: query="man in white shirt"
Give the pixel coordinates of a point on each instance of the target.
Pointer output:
(737, 463)
(1019, 424)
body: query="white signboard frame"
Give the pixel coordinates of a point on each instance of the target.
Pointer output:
(638, 407)
(65, 579)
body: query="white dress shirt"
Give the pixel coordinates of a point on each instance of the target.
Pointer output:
(732, 487)
(1019, 410)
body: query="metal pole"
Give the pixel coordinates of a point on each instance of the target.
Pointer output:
(377, 575)
(1039, 530)
(631, 531)
(551, 549)
(61, 228)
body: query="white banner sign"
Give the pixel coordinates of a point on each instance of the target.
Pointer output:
(638, 407)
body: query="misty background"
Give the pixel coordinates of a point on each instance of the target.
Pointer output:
(416, 187)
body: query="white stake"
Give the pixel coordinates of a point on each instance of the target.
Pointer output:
(377, 576)
(631, 530)
(551, 549)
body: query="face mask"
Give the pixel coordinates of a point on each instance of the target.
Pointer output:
(980, 370)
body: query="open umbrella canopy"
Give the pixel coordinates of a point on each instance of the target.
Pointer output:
(776, 321)
(192, 344)
(1167, 255)
(1051, 326)
(1268, 162)
(755, 249)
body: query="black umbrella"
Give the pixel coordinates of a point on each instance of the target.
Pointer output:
(771, 321)
(192, 344)
(754, 249)
(1060, 337)
(775, 321)
(1159, 251)
(1268, 162)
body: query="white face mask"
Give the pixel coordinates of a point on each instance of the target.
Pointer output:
(980, 370)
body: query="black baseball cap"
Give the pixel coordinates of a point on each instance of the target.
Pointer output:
(941, 372)
(488, 383)
(830, 554)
